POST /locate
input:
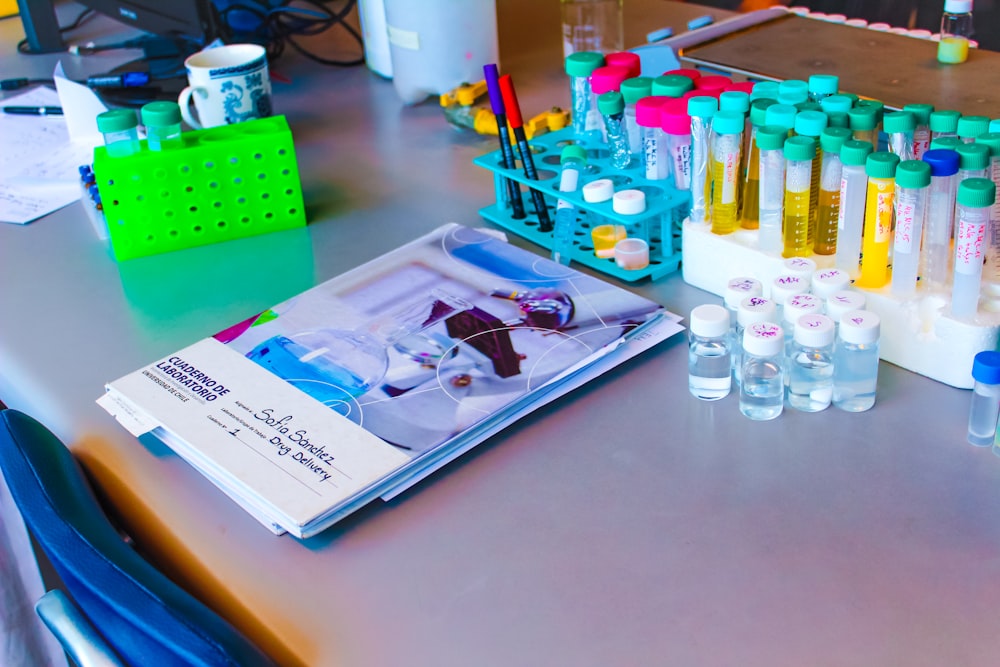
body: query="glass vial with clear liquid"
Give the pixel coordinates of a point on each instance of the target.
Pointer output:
(592, 25)
(752, 310)
(810, 364)
(762, 391)
(956, 29)
(612, 107)
(985, 406)
(709, 372)
(855, 361)
(585, 116)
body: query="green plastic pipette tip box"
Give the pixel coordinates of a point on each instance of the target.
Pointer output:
(225, 183)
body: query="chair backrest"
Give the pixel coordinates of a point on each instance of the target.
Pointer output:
(147, 618)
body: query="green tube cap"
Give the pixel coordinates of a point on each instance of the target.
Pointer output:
(610, 103)
(573, 152)
(800, 148)
(976, 192)
(899, 121)
(781, 114)
(583, 63)
(702, 106)
(945, 120)
(921, 112)
(913, 174)
(810, 123)
(992, 141)
(728, 122)
(838, 119)
(758, 110)
(973, 156)
(823, 84)
(117, 120)
(672, 85)
(854, 153)
(972, 126)
(160, 114)
(771, 137)
(636, 88)
(765, 90)
(841, 103)
(734, 100)
(881, 164)
(863, 119)
(946, 142)
(832, 139)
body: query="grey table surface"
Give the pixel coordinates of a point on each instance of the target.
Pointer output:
(624, 524)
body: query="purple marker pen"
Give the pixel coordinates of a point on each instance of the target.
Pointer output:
(499, 112)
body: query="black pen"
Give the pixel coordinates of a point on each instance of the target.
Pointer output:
(513, 110)
(500, 113)
(34, 111)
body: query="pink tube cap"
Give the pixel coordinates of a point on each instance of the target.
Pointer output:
(608, 78)
(647, 110)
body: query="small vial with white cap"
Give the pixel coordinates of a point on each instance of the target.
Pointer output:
(985, 406)
(844, 301)
(828, 281)
(596, 192)
(709, 373)
(810, 364)
(855, 361)
(762, 392)
(803, 267)
(632, 203)
(784, 286)
(795, 307)
(752, 310)
(737, 289)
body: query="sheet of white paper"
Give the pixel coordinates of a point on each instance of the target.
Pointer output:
(39, 165)
(81, 106)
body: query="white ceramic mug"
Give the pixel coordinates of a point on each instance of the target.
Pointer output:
(229, 84)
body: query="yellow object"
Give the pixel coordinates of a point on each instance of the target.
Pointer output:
(605, 237)
(797, 210)
(878, 233)
(467, 94)
(750, 200)
(953, 50)
(8, 8)
(826, 225)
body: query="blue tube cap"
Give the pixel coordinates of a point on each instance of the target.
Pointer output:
(943, 161)
(986, 367)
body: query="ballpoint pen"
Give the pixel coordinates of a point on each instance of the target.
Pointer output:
(33, 111)
(527, 163)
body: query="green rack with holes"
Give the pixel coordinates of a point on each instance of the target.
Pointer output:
(224, 183)
(665, 205)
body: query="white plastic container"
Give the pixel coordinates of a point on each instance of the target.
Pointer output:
(378, 57)
(437, 45)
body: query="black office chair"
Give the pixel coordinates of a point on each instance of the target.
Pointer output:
(145, 617)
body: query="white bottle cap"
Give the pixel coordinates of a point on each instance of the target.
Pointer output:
(842, 302)
(709, 320)
(860, 327)
(764, 339)
(803, 267)
(785, 286)
(799, 10)
(739, 288)
(879, 27)
(827, 281)
(919, 33)
(814, 330)
(629, 202)
(856, 23)
(599, 190)
(898, 30)
(754, 309)
(798, 305)
(836, 18)
(958, 6)
(816, 15)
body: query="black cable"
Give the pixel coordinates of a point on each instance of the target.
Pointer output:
(80, 19)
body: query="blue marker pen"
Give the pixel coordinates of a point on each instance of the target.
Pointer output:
(496, 102)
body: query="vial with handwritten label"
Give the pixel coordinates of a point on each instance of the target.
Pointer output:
(855, 361)
(810, 364)
(762, 392)
(752, 310)
(709, 373)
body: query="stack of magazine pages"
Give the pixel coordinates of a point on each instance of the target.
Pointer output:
(365, 384)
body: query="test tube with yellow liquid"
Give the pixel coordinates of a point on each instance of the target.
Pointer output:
(799, 155)
(727, 145)
(750, 206)
(825, 240)
(811, 124)
(879, 205)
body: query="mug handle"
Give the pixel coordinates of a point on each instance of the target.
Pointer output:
(184, 101)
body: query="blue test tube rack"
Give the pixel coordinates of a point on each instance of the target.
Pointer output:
(663, 201)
